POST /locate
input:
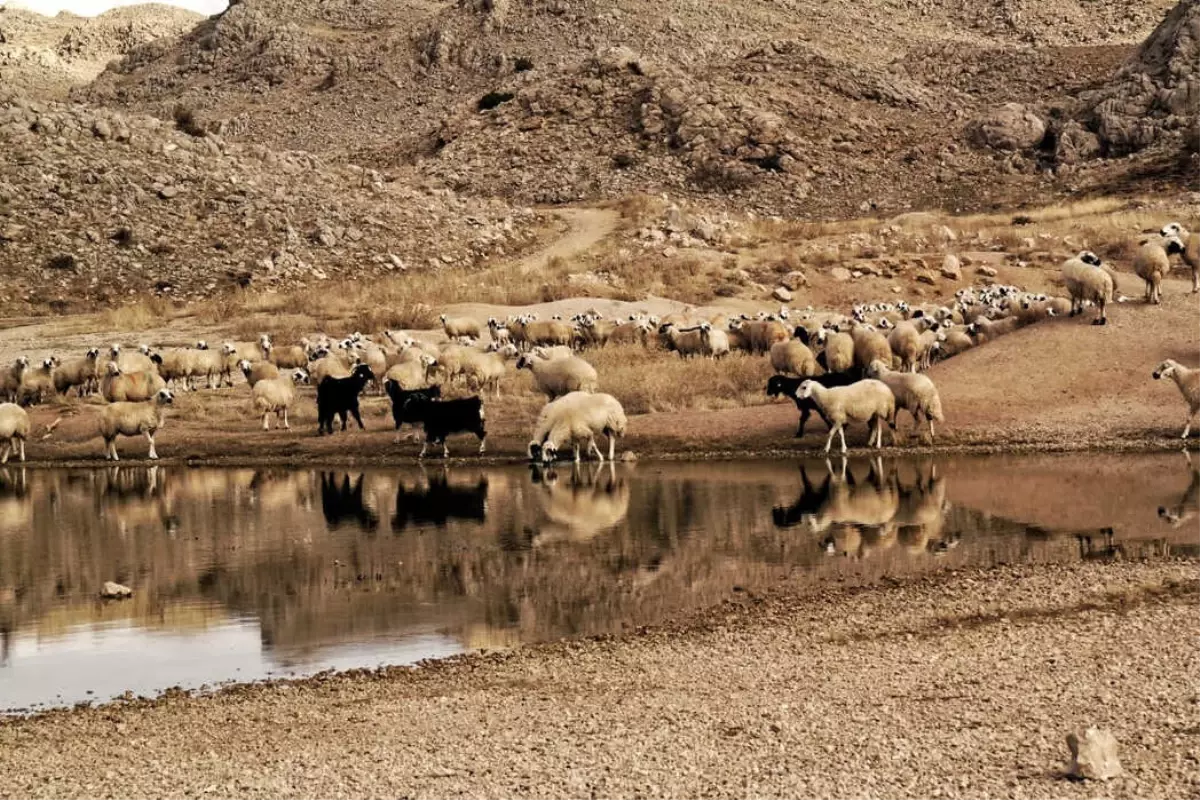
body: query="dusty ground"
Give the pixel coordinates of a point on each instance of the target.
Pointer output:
(966, 686)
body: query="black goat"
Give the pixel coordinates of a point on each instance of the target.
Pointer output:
(339, 396)
(440, 418)
(343, 501)
(401, 396)
(440, 503)
(782, 384)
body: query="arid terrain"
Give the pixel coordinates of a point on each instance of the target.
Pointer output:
(313, 170)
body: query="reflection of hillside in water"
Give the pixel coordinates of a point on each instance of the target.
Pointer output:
(512, 555)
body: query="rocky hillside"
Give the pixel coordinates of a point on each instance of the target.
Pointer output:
(793, 107)
(96, 204)
(47, 56)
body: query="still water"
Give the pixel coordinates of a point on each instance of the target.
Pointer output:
(240, 575)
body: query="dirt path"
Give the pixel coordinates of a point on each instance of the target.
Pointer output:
(585, 227)
(963, 685)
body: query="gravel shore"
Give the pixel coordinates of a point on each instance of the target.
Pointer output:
(961, 685)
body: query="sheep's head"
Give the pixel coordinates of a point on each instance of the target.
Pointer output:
(115, 350)
(1172, 229)
(428, 360)
(774, 386)
(144, 349)
(244, 366)
(300, 376)
(534, 451)
(822, 335)
(805, 390)
(264, 341)
(228, 349)
(48, 363)
(1173, 245)
(164, 397)
(201, 345)
(442, 317)
(524, 362)
(876, 368)
(1088, 257)
(92, 354)
(112, 369)
(885, 324)
(1165, 370)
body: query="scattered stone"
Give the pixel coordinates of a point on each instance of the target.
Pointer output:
(1011, 126)
(629, 457)
(951, 268)
(782, 294)
(1093, 755)
(988, 272)
(115, 591)
(669, 252)
(794, 280)
(840, 274)
(924, 276)
(168, 192)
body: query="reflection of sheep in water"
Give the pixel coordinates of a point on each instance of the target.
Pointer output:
(343, 502)
(1189, 505)
(440, 502)
(593, 500)
(921, 514)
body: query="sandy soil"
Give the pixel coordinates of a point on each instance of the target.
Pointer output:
(962, 686)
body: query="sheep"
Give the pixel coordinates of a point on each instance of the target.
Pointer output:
(762, 334)
(838, 353)
(956, 341)
(869, 401)
(562, 376)
(552, 353)
(138, 361)
(905, 343)
(543, 332)
(714, 340)
(869, 345)
(596, 332)
(784, 385)
(451, 357)
(793, 358)
(575, 418)
(177, 363)
(250, 351)
(916, 393)
(1086, 280)
(399, 396)
(686, 341)
(131, 419)
(461, 326)
(1152, 263)
(440, 418)
(416, 374)
(275, 396)
(339, 397)
(633, 332)
(258, 371)
(1188, 381)
(209, 364)
(14, 430)
(38, 382)
(984, 330)
(78, 373)
(10, 379)
(484, 370)
(289, 357)
(133, 387)
(328, 366)
(1191, 249)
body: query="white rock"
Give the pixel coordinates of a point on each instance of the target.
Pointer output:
(115, 591)
(1094, 755)
(782, 294)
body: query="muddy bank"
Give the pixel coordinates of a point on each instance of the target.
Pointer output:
(962, 684)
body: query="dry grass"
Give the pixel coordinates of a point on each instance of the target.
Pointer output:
(148, 313)
(646, 381)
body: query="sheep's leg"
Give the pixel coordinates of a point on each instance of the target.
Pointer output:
(112, 450)
(21, 444)
(612, 447)
(842, 434)
(153, 456)
(930, 429)
(5, 452)
(482, 444)
(1187, 428)
(266, 425)
(576, 445)
(829, 442)
(424, 444)
(1103, 318)
(593, 448)
(286, 425)
(445, 449)
(804, 415)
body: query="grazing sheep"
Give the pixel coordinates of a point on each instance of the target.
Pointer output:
(275, 396)
(339, 397)
(1188, 381)
(288, 357)
(131, 419)
(869, 401)
(553, 353)
(544, 332)
(561, 376)
(913, 392)
(793, 358)
(595, 332)
(399, 396)
(687, 342)
(574, 418)
(1191, 249)
(784, 385)
(14, 430)
(441, 418)
(10, 379)
(905, 343)
(484, 371)
(633, 332)
(714, 340)
(956, 341)
(210, 364)
(838, 352)
(131, 387)
(1087, 281)
(451, 357)
(78, 373)
(869, 345)
(763, 334)
(328, 366)
(416, 374)
(250, 351)
(256, 371)
(177, 364)
(36, 383)
(461, 326)
(1153, 262)
(985, 330)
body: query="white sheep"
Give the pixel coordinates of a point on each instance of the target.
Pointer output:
(483, 371)
(137, 361)
(415, 374)
(575, 418)
(956, 341)
(869, 401)
(838, 350)
(250, 351)
(869, 345)
(913, 392)
(79, 373)
(1088, 281)
(293, 356)
(553, 353)
(14, 430)
(258, 371)
(561, 376)
(686, 341)
(10, 379)
(714, 340)
(275, 396)
(117, 386)
(1152, 263)
(37, 382)
(1191, 250)
(132, 419)
(793, 358)
(329, 366)
(1188, 381)
(905, 343)
(461, 326)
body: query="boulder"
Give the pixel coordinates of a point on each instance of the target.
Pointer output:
(115, 591)
(951, 268)
(794, 280)
(1075, 144)
(1011, 126)
(782, 294)
(840, 274)
(1093, 755)
(925, 276)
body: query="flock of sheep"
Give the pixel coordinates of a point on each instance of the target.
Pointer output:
(858, 368)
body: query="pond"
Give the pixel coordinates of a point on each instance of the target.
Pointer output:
(245, 574)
